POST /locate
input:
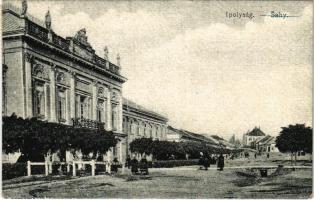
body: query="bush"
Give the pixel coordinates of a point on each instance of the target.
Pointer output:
(174, 163)
(10, 171)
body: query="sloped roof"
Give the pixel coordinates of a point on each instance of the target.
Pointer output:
(201, 137)
(256, 132)
(269, 140)
(127, 104)
(193, 136)
(216, 137)
(261, 140)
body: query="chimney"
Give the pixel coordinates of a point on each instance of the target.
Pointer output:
(24, 8)
(48, 25)
(106, 53)
(118, 59)
(48, 20)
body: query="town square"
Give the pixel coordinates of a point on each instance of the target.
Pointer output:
(155, 100)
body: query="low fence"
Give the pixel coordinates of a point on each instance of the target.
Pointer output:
(75, 165)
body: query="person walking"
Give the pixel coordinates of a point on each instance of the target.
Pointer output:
(206, 162)
(128, 162)
(144, 166)
(201, 160)
(134, 165)
(114, 166)
(220, 163)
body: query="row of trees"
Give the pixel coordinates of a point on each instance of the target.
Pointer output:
(164, 150)
(35, 139)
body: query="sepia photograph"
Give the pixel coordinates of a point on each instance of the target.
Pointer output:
(165, 99)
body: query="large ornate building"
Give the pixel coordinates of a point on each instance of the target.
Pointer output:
(58, 79)
(62, 80)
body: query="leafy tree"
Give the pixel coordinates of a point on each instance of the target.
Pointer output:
(163, 150)
(35, 138)
(142, 145)
(295, 138)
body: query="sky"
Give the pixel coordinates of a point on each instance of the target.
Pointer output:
(206, 72)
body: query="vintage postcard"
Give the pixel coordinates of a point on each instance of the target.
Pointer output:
(157, 99)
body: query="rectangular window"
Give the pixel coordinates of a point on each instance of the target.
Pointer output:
(114, 151)
(100, 111)
(61, 106)
(99, 116)
(83, 107)
(114, 117)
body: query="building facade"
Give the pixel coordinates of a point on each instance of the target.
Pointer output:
(266, 145)
(179, 135)
(139, 122)
(58, 79)
(251, 137)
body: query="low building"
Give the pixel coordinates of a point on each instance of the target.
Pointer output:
(251, 137)
(266, 145)
(139, 122)
(179, 135)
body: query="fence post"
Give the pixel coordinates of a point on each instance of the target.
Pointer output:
(50, 167)
(74, 170)
(109, 168)
(68, 167)
(46, 168)
(93, 167)
(29, 168)
(123, 168)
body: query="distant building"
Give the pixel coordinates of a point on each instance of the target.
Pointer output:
(179, 135)
(251, 136)
(266, 144)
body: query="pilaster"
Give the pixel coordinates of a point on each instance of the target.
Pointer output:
(121, 151)
(28, 85)
(94, 100)
(68, 105)
(53, 116)
(108, 110)
(47, 112)
(120, 114)
(72, 94)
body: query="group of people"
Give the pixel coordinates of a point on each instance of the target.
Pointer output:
(137, 167)
(205, 161)
(141, 167)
